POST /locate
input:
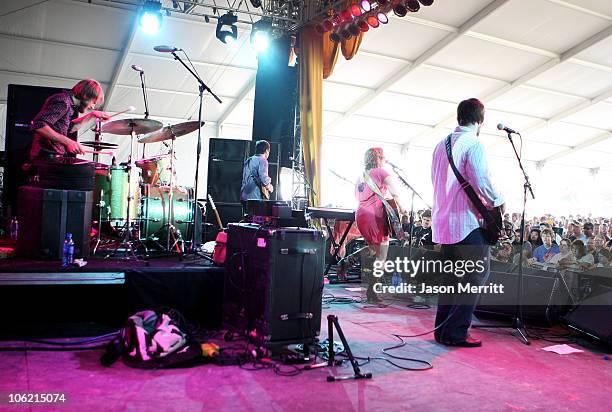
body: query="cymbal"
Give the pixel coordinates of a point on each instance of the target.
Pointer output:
(170, 132)
(99, 145)
(125, 126)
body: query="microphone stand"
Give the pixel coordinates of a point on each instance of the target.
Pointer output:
(201, 87)
(414, 193)
(517, 320)
(146, 104)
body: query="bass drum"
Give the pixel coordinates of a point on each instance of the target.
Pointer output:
(156, 212)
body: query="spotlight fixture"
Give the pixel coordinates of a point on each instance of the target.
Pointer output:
(228, 19)
(335, 37)
(413, 5)
(400, 9)
(382, 17)
(150, 19)
(426, 2)
(354, 29)
(364, 26)
(365, 5)
(260, 35)
(355, 10)
(373, 21)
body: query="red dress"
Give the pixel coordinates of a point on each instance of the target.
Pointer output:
(370, 216)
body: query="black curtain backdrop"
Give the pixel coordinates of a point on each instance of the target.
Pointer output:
(276, 92)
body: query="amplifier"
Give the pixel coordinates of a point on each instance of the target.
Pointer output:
(274, 283)
(46, 215)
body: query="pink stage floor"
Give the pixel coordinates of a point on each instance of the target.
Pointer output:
(502, 375)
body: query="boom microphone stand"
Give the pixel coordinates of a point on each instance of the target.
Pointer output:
(414, 193)
(517, 320)
(201, 87)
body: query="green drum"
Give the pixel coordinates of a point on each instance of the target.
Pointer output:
(101, 192)
(111, 188)
(156, 213)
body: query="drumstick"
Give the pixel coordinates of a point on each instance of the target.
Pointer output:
(129, 109)
(90, 122)
(110, 153)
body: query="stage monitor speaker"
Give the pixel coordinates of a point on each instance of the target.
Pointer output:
(593, 316)
(545, 297)
(276, 95)
(229, 149)
(274, 284)
(46, 215)
(23, 103)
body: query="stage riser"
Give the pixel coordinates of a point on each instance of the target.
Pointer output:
(62, 310)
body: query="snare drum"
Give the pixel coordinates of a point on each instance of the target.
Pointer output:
(155, 170)
(156, 211)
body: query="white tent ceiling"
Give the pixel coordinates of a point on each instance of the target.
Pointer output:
(543, 67)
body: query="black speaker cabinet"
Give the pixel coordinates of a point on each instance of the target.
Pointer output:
(545, 297)
(23, 103)
(274, 283)
(593, 316)
(46, 215)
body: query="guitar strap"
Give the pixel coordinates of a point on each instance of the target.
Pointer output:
(466, 186)
(374, 188)
(256, 179)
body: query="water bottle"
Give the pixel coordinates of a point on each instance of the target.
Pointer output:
(14, 228)
(396, 279)
(68, 256)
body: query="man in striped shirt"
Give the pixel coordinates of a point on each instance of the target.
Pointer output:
(456, 223)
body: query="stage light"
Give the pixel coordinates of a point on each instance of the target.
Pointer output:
(335, 37)
(426, 2)
(355, 10)
(327, 25)
(400, 10)
(382, 3)
(344, 33)
(354, 29)
(373, 21)
(363, 26)
(382, 17)
(366, 6)
(227, 37)
(260, 35)
(413, 5)
(151, 18)
(346, 15)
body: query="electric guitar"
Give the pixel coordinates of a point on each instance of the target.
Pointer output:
(220, 251)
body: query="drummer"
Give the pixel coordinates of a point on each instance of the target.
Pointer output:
(56, 124)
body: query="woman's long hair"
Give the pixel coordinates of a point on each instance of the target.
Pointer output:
(372, 158)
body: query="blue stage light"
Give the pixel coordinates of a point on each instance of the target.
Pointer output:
(150, 18)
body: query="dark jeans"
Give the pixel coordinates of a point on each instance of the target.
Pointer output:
(455, 310)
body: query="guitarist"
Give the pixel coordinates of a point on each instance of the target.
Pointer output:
(371, 215)
(256, 184)
(457, 223)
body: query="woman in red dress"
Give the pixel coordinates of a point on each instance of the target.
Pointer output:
(371, 217)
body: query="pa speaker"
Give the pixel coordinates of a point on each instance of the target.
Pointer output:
(274, 284)
(23, 103)
(544, 297)
(593, 316)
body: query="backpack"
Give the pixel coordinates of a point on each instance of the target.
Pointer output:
(151, 340)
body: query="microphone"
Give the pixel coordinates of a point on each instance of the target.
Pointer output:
(166, 49)
(137, 68)
(501, 126)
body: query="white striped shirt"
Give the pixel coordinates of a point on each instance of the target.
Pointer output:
(453, 215)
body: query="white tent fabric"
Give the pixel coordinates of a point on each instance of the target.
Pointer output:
(543, 67)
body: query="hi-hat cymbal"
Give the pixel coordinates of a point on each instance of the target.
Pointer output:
(99, 145)
(126, 126)
(170, 132)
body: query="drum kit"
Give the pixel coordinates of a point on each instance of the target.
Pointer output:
(140, 201)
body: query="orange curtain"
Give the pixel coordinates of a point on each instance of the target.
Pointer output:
(311, 107)
(350, 46)
(330, 55)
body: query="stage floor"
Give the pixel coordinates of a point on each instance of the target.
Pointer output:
(502, 375)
